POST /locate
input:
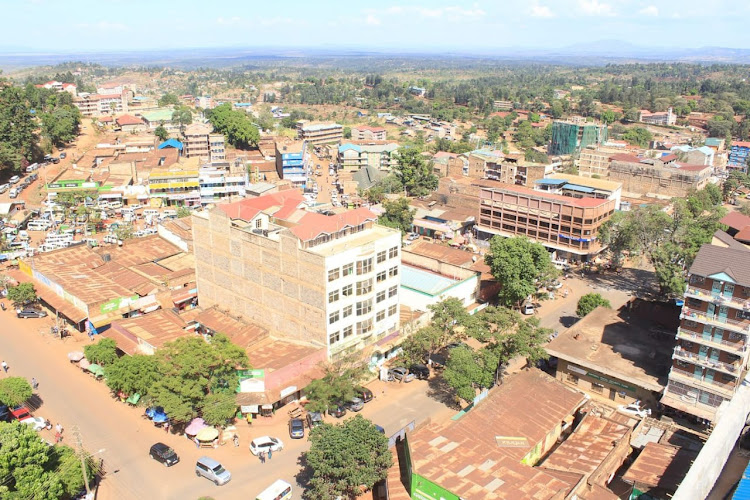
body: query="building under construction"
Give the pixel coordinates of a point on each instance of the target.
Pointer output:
(569, 138)
(652, 178)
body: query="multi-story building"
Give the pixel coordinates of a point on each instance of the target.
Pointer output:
(115, 88)
(71, 88)
(218, 183)
(577, 186)
(711, 356)
(502, 105)
(365, 133)
(658, 118)
(352, 157)
(561, 223)
(199, 141)
(321, 133)
(594, 161)
(738, 155)
(292, 159)
(101, 104)
(324, 280)
(653, 177)
(569, 138)
(178, 185)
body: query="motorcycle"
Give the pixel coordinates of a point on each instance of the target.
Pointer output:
(2, 305)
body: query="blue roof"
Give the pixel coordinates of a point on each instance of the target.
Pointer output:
(743, 489)
(347, 147)
(706, 150)
(551, 182)
(580, 189)
(171, 143)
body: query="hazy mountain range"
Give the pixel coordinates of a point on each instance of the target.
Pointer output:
(594, 53)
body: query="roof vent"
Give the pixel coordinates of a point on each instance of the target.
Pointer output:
(106, 257)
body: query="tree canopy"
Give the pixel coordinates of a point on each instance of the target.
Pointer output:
(343, 459)
(337, 385)
(520, 265)
(161, 133)
(103, 352)
(415, 173)
(236, 126)
(22, 293)
(397, 215)
(589, 302)
(14, 391)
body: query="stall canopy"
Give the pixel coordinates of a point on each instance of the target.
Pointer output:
(84, 363)
(133, 400)
(97, 370)
(195, 426)
(75, 356)
(207, 434)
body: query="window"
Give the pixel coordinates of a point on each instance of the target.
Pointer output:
(393, 271)
(696, 280)
(393, 291)
(347, 331)
(380, 316)
(347, 291)
(258, 223)
(333, 338)
(380, 297)
(725, 377)
(392, 310)
(597, 388)
(347, 270)
(393, 253)
(690, 323)
(364, 287)
(333, 296)
(333, 317)
(364, 266)
(381, 257)
(694, 302)
(364, 327)
(333, 274)
(380, 277)
(569, 377)
(347, 311)
(364, 307)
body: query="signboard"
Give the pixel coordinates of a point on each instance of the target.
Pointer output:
(511, 442)
(576, 369)
(424, 489)
(116, 304)
(611, 381)
(244, 374)
(287, 391)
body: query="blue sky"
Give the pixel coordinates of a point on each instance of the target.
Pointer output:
(89, 25)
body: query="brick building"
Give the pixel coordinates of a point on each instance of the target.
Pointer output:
(365, 133)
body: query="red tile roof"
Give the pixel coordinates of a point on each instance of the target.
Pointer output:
(667, 158)
(128, 120)
(736, 220)
(741, 144)
(743, 235)
(280, 205)
(314, 224)
(106, 119)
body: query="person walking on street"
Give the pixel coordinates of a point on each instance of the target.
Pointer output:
(34, 383)
(270, 453)
(58, 437)
(59, 428)
(5, 366)
(236, 440)
(262, 457)
(166, 426)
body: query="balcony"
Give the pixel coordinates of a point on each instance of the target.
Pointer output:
(725, 323)
(688, 378)
(716, 298)
(690, 357)
(737, 348)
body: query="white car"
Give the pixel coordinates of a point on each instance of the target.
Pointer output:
(634, 410)
(37, 423)
(265, 443)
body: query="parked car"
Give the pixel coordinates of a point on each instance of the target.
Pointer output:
(296, 428)
(212, 470)
(20, 412)
(337, 410)
(555, 285)
(634, 410)
(379, 428)
(420, 371)
(36, 423)
(4, 412)
(413, 236)
(400, 374)
(364, 394)
(63, 155)
(265, 443)
(527, 309)
(164, 454)
(14, 179)
(355, 404)
(30, 313)
(314, 418)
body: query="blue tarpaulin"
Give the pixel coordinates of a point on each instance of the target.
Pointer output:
(171, 143)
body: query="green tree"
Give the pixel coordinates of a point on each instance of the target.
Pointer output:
(125, 231)
(103, 352)
(589, 302)
(397, 215)
(183, 116)
(608, 116)
(183, 212)
(61, 125)
(15, 390)
(632, 115)
(169, 99)
(519, 264)
(415, 173)
(161, 133)
(338, 384)
(467, 370)
(25, 465)
(219, 408)
(347, 132)
(239, 130)
(638, 136)
(345, 458)
(132, 374)
(22, 293)
(66, 464)
(190, 369)
(535, 156)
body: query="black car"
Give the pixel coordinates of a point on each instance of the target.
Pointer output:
(420, 371)
(337, 410)
(164, 454)
(314, 418)
(30, 313)
(364, 394)
(296, 428)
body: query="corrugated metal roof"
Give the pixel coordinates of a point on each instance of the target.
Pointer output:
(579, 189)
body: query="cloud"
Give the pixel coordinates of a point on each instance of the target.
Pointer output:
(432, 13)
(594, 8)
(651, 11)
(541, 11)
(372, 20)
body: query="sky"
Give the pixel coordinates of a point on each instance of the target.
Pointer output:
(433, 25)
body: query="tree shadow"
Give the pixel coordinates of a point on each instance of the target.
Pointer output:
(568, 321)
(34, 402)
(439, 390)
(305, 472)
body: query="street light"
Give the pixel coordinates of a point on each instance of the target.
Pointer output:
(83, 469)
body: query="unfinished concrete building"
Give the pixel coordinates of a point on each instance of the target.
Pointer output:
(652, 178)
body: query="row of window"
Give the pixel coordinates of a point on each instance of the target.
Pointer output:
(363, 288)
(362, 328)
(363, 307)
(363, 266)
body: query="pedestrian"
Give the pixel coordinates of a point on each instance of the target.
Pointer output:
(58, 437)
(5, 366)
(262, 457)
(236, 440)
(166, 426)
(270, 453)
(249, 419)
(59, 428)
(34, 383)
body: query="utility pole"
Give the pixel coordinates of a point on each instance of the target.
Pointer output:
(79, 442)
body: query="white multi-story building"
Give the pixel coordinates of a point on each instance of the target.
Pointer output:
(322, 280)
(218, 183)
(101, 104)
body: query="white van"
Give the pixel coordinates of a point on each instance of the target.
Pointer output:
(150, 212)
(4, 187)
(14, 179)
(169, 213)
(38, 225)
(527, 308)
(279, 490)
(14, 192)
(115, 204)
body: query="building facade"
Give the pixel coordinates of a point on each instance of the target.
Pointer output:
(569, 138)
(365, 133)
(658, 118)
(101, 104)
(218, 183)
(199, 141)
(561, 223)
(738, 156)
(328, 281)
(652, 177)
(292, 160)
(711, 355)
(322, 133)
(352, 157)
